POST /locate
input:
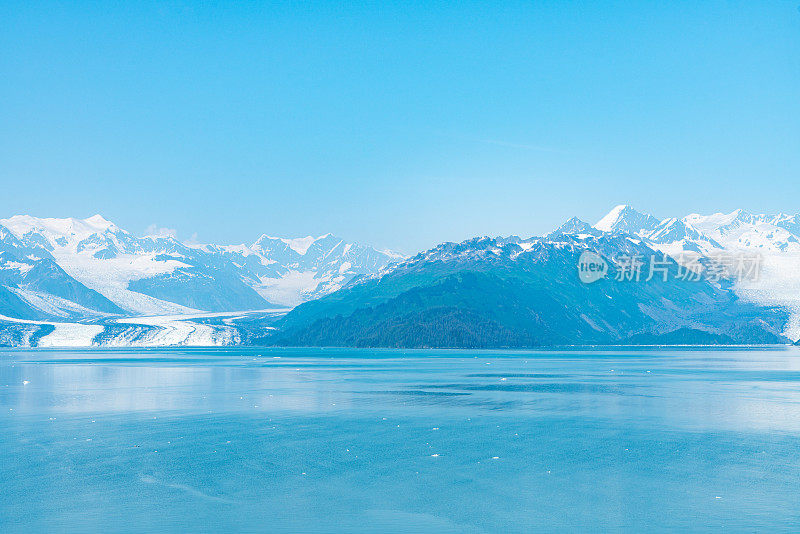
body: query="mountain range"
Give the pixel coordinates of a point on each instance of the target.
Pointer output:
(511, 292)
(91, 272)
(87, 281)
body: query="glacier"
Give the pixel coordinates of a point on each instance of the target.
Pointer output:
(775, 238)
(87, 282)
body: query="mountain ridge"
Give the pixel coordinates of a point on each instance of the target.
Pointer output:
(353, 314)
(88, 281)
(106, 271)
(480, 294)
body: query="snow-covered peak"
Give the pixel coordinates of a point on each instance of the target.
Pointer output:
(719, 221)
(610, 218)
(297, 244)
(739, 217)
(58, 232)
(740, 229)
(625, 219)
(99, 222)
(672, 229)
(300, 244)
(574, 226)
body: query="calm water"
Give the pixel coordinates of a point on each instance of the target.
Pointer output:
(397, 441)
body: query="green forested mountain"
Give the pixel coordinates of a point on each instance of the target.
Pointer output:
(511, 293)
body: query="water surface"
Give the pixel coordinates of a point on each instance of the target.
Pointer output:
(324, 440)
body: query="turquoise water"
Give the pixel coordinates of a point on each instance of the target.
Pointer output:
(313, 440)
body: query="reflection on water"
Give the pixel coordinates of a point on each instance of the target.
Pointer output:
(376, 440)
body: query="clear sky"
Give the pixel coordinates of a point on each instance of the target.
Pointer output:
(395, 125)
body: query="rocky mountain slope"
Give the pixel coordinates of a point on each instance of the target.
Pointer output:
(524, 293)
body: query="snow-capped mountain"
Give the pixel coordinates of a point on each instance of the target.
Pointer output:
(290, 271)
(87, 281)
(774, 239)
(625, 219)
(104, 257)
(743, 230)
(487, 292)
(91, 269)
(34, 286)
(738, 230)
(574, 226)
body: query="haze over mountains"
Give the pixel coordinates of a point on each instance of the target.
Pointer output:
(87, 281)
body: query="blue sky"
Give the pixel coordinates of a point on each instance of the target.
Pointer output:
(396, 125)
